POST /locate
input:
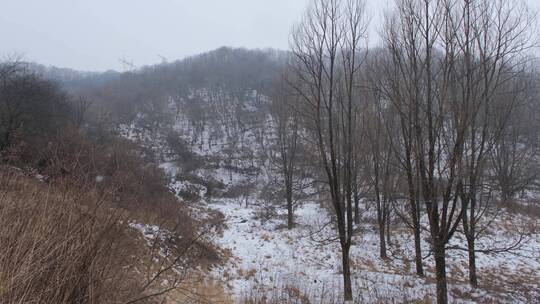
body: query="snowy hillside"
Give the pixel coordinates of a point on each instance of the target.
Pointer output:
(265, 260)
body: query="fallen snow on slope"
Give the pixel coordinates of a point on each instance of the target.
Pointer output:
(265, 256)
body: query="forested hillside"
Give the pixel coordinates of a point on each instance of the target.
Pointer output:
(329, 173)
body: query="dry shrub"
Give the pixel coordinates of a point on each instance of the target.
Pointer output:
(117, 170)
(530, 206)
(236, 191)
(265, 213)
(181, 150)
(297, 290)
(61, 247)
(283, 294)
(69, 240)
(205, 291)
(64, 244)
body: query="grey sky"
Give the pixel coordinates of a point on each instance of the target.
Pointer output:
(96, 34)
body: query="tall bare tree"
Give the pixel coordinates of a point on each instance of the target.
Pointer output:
(394, 76)
(487, 40)
(423, 96)
(326, 61)
(381, 163)
(287, 131)
(449, 58)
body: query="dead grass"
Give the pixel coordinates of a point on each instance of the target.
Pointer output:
(61, 243)
(199, 290)
(61, 247)
(294, 292)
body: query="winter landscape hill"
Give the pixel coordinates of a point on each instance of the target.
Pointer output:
(328, 173)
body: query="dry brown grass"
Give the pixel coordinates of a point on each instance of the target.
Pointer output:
(200, 291)
(297, 293)
(61, 246)
(71, 243)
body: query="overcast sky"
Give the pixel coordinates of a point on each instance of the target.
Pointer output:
(96, 34)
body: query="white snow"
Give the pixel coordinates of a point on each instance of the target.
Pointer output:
(265, 255)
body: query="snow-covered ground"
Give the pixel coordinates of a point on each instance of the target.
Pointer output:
(264, 256)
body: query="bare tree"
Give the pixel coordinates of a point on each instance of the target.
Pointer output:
(80, 108)
(29, 105)
(487, 40)
(400, 85)
(286, 124)
(450, 57)
(16, 87)
(383, 175)
(326, 48)
(512, 158)
(425, 82)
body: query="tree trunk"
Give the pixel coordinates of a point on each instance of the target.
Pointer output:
(290, 216)
(356, 206)
(440, 273)
(388, 235)
(382, 239)
(473, 280)
(381, 220)
(469, 229)
(347, 286)
(418, 250)
(414, 209)
(506, 194)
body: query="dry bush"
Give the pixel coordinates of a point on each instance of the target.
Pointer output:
(240, 190)
(529, 206)
(61, 247)
(212, 185)
(181, 150)
(65, 244)
(281, 293)
(72, 238)
(272, 193)
(265, 213)
(298, 291)
(116, 169)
